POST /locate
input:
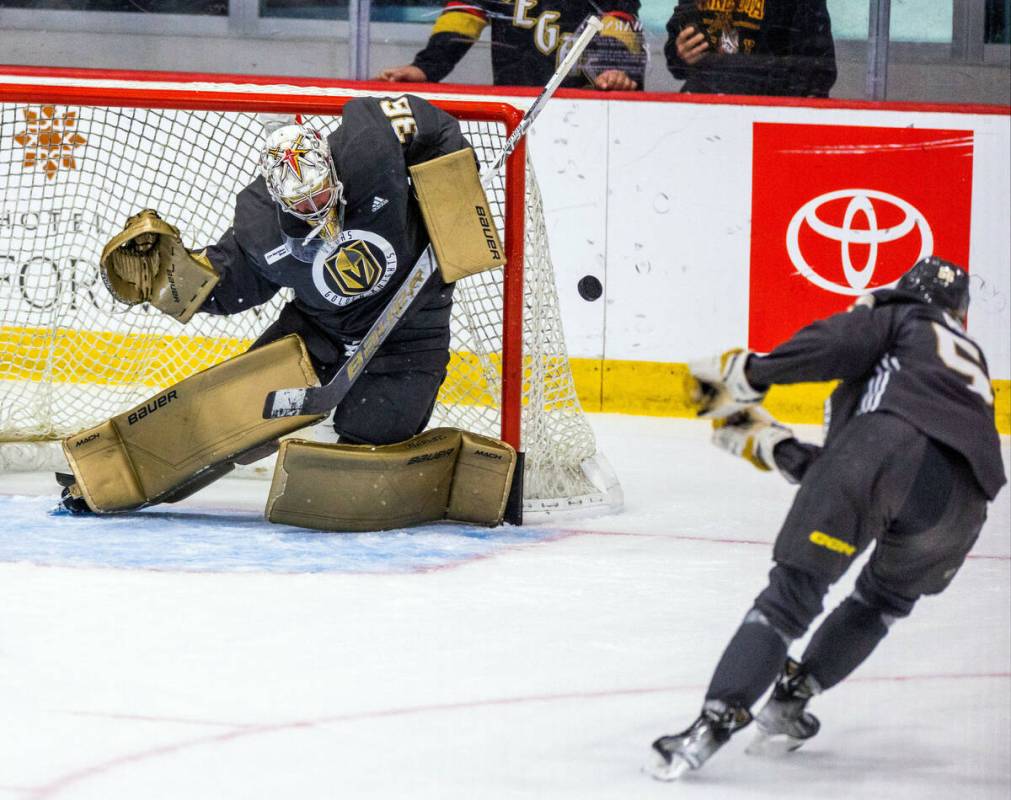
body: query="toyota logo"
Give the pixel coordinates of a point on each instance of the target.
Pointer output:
(861, 202)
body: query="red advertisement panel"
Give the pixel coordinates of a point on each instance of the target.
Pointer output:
(837, 211)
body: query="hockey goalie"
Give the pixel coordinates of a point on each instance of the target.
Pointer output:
(340, 221)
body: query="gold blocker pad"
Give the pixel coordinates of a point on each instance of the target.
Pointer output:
(457, 216)
(184, 437)
(442, 474)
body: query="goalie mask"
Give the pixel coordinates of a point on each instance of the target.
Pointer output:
(301, 177)
(940, 283)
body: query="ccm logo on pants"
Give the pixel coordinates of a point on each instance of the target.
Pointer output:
(831, 543)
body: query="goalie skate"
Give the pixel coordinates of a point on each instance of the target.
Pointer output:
(70, 503)
(783, 724)
(690, 749)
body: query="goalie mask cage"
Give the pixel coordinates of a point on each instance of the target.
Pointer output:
(79, 154)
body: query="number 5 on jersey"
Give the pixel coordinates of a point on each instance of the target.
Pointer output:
(963, 356)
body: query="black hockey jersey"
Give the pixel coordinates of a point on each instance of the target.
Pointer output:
(382, 237)
(768, 47)
(904, 357)
(528, 39)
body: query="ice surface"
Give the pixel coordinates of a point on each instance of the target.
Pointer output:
(209, 539)
(195, 652)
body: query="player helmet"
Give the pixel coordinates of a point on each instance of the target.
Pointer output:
(300, 174)
(940, 283)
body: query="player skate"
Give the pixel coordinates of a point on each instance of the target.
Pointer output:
(783, 724)
(691, 748)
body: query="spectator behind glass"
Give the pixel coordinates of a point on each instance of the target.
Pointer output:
(529, 40)
(770, 47)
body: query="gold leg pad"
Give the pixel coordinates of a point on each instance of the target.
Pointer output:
(157, 449)
(441, 474)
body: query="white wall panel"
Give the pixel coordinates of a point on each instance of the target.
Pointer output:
(570, 151)
(990, 312)
(678, 219)
(677, 230)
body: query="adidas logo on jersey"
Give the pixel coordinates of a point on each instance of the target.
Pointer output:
(378, 202)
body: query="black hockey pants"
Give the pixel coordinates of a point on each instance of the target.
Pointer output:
(881, 481)
(393, 398)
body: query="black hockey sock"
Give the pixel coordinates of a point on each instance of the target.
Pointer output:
(843, 642)
(750, 663)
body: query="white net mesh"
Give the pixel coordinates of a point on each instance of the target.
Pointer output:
(71, 356)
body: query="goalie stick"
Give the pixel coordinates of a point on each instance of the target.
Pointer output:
(589, 28)
(319, 399)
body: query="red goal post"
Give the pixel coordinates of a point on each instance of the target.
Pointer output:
(48, 154)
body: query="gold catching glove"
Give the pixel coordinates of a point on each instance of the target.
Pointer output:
(147, 263)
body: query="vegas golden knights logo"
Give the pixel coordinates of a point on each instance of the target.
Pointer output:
(358, 265)
(353, 269)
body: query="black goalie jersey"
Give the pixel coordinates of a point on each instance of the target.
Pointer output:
(339, 296)
(904, 357)
(529, 39)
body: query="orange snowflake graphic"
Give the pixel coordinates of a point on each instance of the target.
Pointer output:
(49, 141)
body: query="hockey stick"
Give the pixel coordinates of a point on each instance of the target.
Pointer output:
(319, 399)
(589, 28)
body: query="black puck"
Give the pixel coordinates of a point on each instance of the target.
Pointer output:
(589, 288)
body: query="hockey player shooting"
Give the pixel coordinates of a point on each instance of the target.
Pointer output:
(910, 460)
(339, 222)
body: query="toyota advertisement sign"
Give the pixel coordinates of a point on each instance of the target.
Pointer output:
(838, 211)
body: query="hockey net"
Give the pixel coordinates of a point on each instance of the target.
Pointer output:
(78, 157)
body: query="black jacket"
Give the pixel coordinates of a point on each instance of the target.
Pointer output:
(783, 47)
(525, 51)
(903, 357)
